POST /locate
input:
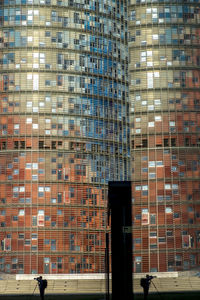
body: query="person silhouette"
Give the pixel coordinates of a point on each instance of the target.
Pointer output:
(146, 284)
(41, 287)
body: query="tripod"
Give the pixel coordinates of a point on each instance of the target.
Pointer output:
(33, 291)
(157, 290)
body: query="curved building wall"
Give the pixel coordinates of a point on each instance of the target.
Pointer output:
(63, 130)
(165, 133)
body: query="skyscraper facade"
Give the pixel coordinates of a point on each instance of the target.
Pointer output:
(165, 133)
(63, 130)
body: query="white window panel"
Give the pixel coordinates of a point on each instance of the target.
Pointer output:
(149, 53)
(157, 102)
(35, 82)
(137, 119)
(28, 120)
(155, 36)
(152, 164)
(21, 212)
(167, 186)
(151, 124)
(40, 189)
(150, 107)
(156, 74)
(138, 130)
(138, 188)
(35, 166)
(145, 188)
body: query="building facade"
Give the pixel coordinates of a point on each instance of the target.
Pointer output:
(165, 133)
(63, 130)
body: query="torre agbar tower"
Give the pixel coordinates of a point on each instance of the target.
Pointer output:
(165, 133)
(63, 130)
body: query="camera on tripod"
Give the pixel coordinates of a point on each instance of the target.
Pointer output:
(36, 278)
(150, 277)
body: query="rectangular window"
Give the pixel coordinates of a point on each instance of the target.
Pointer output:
(168, 210)
(153, 219)
(34, 220)
(53, 245)
(153, 234)
(21, 212)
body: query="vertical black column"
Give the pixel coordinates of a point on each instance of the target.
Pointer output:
(119, 197)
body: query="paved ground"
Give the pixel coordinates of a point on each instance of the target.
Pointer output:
(160, 296)
(53, 297)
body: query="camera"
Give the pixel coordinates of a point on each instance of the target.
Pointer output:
(151, 277)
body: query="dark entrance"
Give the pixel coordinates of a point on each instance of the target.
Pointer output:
(120, 206)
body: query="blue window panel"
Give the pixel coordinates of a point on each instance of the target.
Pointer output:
(167, 15)
(180, 8)
(186, 9)
(173, 8)
(175, 42)
(109, 46)
(5, 61)
(24, 41)
(65, 132)
(87, 25)
(17, 39)
(12, 11)
(11, 33)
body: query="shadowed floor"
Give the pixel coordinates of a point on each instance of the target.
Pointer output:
(160, 296)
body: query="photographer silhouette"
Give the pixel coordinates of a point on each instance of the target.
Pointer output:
(42, 286)
(145, 283)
